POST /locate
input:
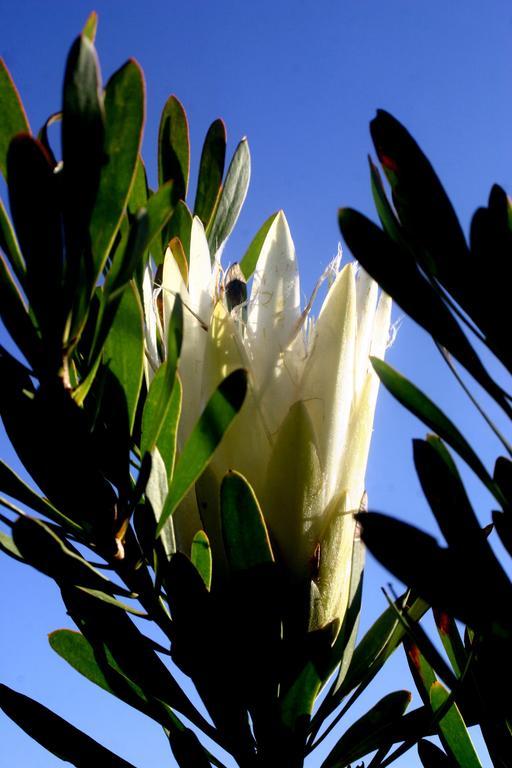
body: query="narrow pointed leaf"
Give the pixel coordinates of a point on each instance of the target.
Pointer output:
(453, 729)
(124, 349)
(124, 120)
(425, 211)
(9, 245)
(14, 119)
(91, 26)
(146, 225)
(452, 641)
(232, 197)
(83, 136)
(376, 723)
(110, 631)
(55, 734)
(252, 254)
(216, 418)
(15, 316)
(211, 171)
(421, 406)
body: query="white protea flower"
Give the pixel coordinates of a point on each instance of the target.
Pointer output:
(303, 434)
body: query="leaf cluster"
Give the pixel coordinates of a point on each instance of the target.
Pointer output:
(457, 292)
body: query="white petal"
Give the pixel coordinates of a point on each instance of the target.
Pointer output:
(150, 324)
(274, 306)
(292, 495)
(246, 446)
(336, 546)
(328, 384)
(366, 292)
(200, 272)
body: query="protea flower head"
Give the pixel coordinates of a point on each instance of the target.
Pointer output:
(303, 435)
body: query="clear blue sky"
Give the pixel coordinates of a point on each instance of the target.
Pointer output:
(302, 79)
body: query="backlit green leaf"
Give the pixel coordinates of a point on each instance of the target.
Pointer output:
(14, 119)
(216, 418)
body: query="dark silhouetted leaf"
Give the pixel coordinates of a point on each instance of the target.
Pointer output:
(55, 734)
(211, 170)
(396, 272)
(446, 578)
(420, 405)
(377, 722)
(174, 147)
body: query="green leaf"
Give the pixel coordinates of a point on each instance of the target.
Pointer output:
(370, 654)
(216, 418)
(164, 398)
(55, 734)
(231, 198)
(344, 645)
(124, 120)
(10, 246)
(167, 440)
(452, 641)
(139, 192)
(376, 725)
(453, 729)
(83, 153)
(124, 349)
(422, 672)
(246, 539)
(8, 546)
(146, 225)
(174, 147)
(387, 216)
(211, 170)
(14, 119)
(156, 494)
(117, 642)
(421, 406)
(201, 556)
(252, 254)
(91, 26)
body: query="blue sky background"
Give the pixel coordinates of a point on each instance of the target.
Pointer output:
(301, 79)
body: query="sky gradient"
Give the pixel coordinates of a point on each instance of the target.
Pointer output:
(301, 80)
